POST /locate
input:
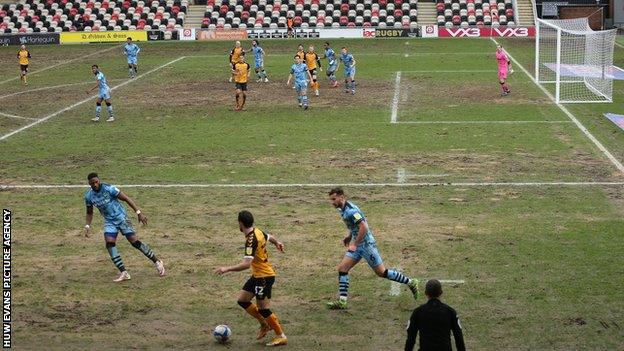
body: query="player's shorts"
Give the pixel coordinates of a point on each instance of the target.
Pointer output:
(313, 73)
(502, 74)
(112, 228)
(349, 72)
(104, 94)
(241, 86)
(369, 252)
(301, 85)
(259, 64)
(24, 68)
(260, 287)
(132, 60)
(331, 69)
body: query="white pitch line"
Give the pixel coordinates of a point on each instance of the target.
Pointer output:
(452, 281)
(87, 99)
(478, 122)
(62, 63)
(580, 126)
(14, 116)
(620, 45)
(395, 287)
(48, 88)
(323, 185)
(395, 99)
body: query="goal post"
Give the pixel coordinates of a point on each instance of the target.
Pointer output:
(576, 59)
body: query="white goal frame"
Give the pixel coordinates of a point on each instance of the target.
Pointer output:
(568, 45)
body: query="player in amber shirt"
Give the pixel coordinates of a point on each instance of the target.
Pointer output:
(236, 52)
(313, 62)
(22, 56)
(262, 277)
(241, 72)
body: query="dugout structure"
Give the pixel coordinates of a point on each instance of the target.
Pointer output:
(577, 60)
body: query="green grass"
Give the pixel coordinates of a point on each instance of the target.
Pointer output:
(542, 265)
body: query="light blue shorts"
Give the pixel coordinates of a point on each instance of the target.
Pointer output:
(132, 60)
(332, 68)
(112, 228)
(104, 94)
(349, 72)
(369, 252)
(301, 85)
(259, 64)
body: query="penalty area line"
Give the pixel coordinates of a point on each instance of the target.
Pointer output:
(395, 98)
(90, 98)
(322, 185)
(17, 117)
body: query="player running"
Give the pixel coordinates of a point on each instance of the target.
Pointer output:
(23, 56)
(504, 66)
(313, 62)
(349, 70)
(241, 72)
(236, 52)
(299, 70)
(332, 64)
(259, 61)
(360, 244)
(104, 94)
(131, 51)
(106, 198)
(262, 278)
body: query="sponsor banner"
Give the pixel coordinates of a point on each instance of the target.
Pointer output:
(283, 33)
(221, 34)
(486, 32)
(397, 33)
(186, 33)
(30, 39)
(155, 35)
(100, 37)
(341, 33)
(368, 33)
(429, 31)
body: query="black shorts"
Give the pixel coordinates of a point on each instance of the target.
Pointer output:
(313, 73)
(260, 287)
(241, 86)
(24, 68)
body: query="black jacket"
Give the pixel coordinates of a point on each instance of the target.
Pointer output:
(434, 320)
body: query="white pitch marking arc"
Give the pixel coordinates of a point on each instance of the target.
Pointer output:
(16, 117)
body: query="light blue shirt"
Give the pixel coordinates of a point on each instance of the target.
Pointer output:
(348, 60)
(352, 216)
(102, 83)
(105, 199)
(258, 53)
(331, 56)
(299, 71)
(131, 50)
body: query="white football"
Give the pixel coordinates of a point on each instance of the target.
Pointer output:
(222, 333)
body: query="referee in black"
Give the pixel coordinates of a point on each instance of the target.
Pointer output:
(434, 320)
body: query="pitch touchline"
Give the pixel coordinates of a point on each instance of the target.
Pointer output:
(90, 98)
(589, 135)
(62, 63)
(321, 185)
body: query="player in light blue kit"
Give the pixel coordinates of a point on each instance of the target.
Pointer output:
(106, 198)
(299, 70)
(349, 70)
(104, 94)
(259, 61)
(131, 51)
(332, 64)
(360, 244)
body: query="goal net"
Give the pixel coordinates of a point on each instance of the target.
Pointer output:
(576, 59)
